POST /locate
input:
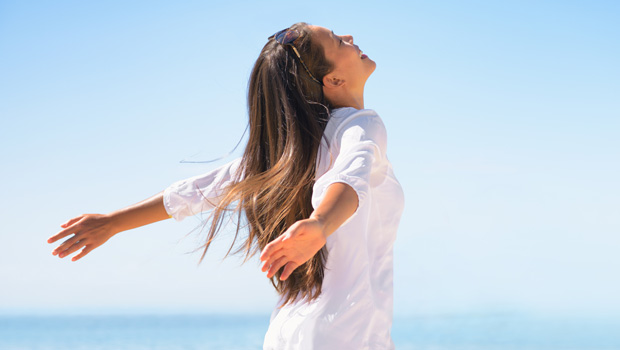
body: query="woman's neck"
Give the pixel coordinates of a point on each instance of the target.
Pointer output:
(346, 98)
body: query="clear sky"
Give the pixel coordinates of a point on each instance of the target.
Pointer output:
(504, 129)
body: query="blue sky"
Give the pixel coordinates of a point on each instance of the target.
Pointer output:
(503, 121)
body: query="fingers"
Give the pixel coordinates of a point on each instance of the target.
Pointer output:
(276, 266)
(271, 248)
(275, 254)
(69, 229)
(290, 267)
(64, 245)
(71, 221)
(77, 245)
(272, 258)
(277, 244)
(84, 251)
(61, 234)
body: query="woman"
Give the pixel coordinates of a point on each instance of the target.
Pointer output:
(314, 187)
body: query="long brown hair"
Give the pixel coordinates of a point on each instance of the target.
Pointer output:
(273, 185)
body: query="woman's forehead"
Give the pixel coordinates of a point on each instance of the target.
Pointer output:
(322, 34)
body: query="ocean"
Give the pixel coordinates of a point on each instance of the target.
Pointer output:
(237, 332)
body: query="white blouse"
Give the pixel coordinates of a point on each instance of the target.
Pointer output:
(354, 310)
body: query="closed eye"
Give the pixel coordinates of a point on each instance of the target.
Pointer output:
(339, 38)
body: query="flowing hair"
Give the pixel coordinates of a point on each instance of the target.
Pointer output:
(273, 185)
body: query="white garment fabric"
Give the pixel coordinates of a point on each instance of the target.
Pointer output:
(354, 310)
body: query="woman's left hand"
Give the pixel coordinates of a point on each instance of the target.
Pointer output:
(293, 248)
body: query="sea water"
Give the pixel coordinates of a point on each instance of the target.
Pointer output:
(189, 332)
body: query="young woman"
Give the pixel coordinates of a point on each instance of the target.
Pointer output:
(314, 187)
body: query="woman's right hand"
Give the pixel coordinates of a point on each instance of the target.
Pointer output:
(89, 232)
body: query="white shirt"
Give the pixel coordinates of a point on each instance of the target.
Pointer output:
(354, 310)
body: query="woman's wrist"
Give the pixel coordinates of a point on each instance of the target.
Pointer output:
(322, 222)
(114, 221)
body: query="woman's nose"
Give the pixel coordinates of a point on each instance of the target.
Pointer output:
(348, 38)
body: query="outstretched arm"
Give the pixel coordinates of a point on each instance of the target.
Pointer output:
(306, 237)
(92, 230)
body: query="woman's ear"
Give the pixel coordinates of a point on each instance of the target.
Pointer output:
(332, 81)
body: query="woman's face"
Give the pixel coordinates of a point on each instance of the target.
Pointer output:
(350, 65)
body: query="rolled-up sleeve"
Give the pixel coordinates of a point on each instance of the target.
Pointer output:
(199, 193)
(359, 145)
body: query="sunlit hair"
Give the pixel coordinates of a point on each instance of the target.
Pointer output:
(273, 186)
